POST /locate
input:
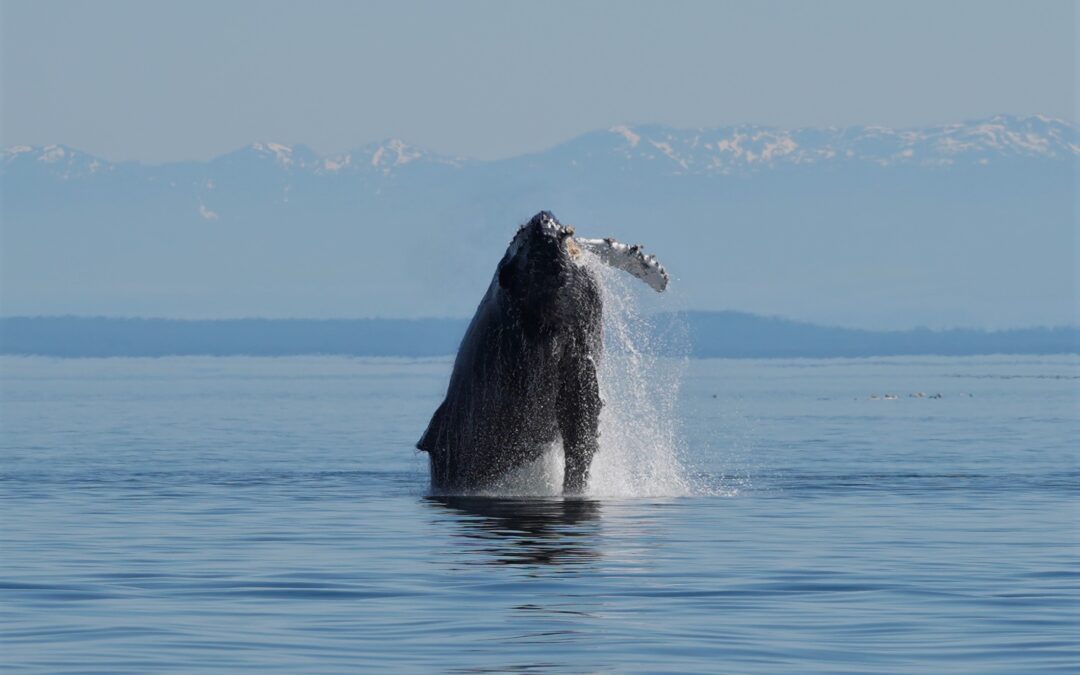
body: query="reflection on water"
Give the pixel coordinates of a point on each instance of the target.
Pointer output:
(526, 531)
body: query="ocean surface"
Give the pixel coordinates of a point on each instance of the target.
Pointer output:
(220, 514)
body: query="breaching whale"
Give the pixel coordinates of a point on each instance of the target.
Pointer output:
(526, 371)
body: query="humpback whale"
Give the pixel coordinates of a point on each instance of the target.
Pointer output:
(525, 374)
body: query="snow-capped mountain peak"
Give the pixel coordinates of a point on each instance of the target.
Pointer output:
(384, 157)
(281, 153)
(395, 152)
(58, 160)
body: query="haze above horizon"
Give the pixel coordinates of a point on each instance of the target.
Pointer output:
(493, 80)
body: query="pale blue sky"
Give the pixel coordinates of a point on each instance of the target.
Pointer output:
(161, 81)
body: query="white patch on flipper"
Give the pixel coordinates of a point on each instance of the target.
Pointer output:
(632, 259)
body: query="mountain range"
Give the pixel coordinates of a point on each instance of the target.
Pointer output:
(724, 150)
(962, 224)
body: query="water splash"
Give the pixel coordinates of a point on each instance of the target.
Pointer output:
(639, 440)
(543, 477)
(640, 449)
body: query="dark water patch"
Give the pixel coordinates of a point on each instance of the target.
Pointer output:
(147, 480)
(61, 633)
(1003, 376)
(59, 593)
(906, 482)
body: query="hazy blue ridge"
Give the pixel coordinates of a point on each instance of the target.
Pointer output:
(883, 229)
(741, 335)
(710, 334)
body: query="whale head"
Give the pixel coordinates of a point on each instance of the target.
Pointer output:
(538, 274)
(543, 278)
(537, 255)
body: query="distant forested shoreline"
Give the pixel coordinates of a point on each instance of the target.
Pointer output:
(701, 334)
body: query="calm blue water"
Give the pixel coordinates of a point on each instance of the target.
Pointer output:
(214, 514)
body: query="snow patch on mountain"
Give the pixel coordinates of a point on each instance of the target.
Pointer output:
(282, 154)
(751, 147)
(51, 154)
(207, 214)
(625, 131)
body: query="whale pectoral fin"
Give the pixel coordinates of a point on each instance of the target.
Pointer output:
(632, 259)
(579, 422)
(428, 442)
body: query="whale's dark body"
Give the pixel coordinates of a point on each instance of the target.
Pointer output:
(526, 370)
